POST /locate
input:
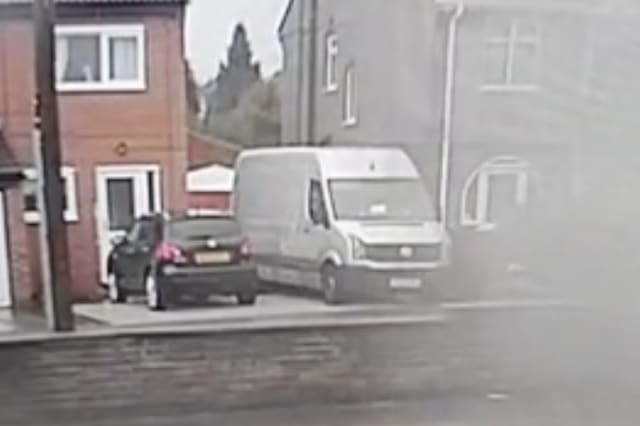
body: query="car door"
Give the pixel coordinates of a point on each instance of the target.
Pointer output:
(134, 255)
(309, 238)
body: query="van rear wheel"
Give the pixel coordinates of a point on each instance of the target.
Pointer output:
(331, 285)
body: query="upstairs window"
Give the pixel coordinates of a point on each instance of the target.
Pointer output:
(349, 103)
(331, 62)
(511, 54)
(102, 57)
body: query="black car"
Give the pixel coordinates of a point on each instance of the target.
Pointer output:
(166, 258)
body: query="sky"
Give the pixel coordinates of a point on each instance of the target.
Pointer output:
(210, 26)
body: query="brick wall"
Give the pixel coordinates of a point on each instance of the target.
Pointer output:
(210, 200)
(152, 124)
(479, 351)
(204, 150)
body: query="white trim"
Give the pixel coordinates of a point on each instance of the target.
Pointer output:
(105, 34)
(481, 176)
(71, 213)
(331, 51)
(128, 170)
(509, 88)
(5, 265)
(138, 173)
(350, 98)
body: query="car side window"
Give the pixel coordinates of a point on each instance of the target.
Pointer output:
(316, 207)
(148, 232)
(134, 232)
(143, 231)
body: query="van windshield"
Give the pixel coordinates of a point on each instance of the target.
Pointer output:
(381, 200)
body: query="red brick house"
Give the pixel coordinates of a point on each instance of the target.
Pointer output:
(204, 150)
(121, 82)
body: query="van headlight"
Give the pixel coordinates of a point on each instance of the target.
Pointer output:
(358, 249)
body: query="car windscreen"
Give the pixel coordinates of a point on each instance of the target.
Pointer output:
(381, 200)
(202, 228)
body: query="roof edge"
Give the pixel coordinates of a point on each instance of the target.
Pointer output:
(285, 17)
(95, 2)
(537, 4)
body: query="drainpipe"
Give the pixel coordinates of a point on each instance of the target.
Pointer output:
(313, 48)
(300, 82)
(448, 111)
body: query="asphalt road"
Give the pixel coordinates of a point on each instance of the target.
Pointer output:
(487, 410)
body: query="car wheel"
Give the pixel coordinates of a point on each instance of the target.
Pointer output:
(116, 293)
(331, 286)
(155, 298)
(246, 298)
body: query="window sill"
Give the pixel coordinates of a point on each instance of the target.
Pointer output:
(100, 87)
(479, 226)
(33, 218)
(508, 88)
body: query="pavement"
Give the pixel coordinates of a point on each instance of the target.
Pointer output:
(221, 310)
(469, 410)
(270, 308)
(26, 322)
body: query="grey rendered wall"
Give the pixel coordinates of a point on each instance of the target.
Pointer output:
(543, 127)
(395, 49)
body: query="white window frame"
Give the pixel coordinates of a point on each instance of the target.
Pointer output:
(502, 166)
(105, 33)
(510, 43)
(350, 98)
(331, 51)
(70, 185)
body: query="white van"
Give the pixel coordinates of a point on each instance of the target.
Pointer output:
(350, 222)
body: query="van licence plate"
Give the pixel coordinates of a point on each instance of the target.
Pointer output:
(213, 257)
(406, 283)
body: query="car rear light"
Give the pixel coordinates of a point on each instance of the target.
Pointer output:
(169, 253)
(246, 250)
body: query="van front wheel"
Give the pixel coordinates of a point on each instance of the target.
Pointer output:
(331, 285)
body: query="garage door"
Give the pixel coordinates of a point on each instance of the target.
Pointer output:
(5, 285)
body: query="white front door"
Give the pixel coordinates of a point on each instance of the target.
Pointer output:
(123, 194)
(5, 284)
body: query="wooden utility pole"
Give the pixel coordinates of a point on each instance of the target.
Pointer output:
(53, 233)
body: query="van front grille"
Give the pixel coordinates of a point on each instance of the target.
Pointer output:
(404, 253)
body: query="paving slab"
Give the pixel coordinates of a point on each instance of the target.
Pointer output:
(268, 306)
